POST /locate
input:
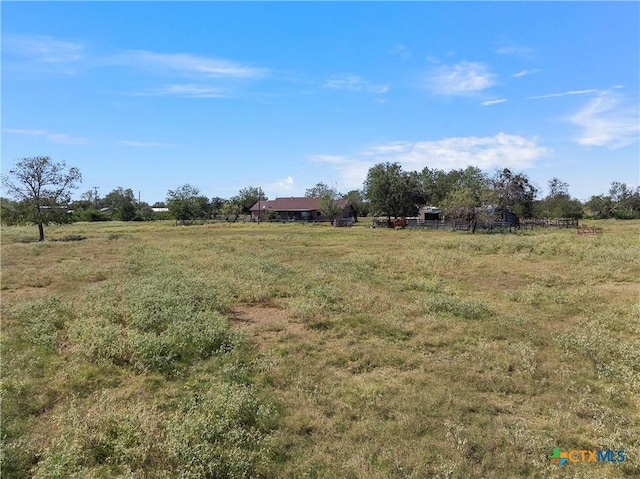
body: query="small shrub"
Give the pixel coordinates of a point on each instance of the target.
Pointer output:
(430, 285)
(201, 336)
(106, 440)
(152, 351)
(83, 272)
(441, 303)
(174, 319)
(100, 340)
(611, 357)
(43, 319)
(16, 458)
(220, 433)
(156, 302)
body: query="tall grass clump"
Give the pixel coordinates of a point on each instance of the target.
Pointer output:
(100, 340)
(220, 432)
(159, 322)
(105, 440)
(450, 304)
(611, 357)
(174, 319)
(42, 319)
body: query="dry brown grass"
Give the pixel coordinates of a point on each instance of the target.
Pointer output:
(385, 353)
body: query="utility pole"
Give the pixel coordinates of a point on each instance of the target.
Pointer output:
(259, 195)
(95, 196)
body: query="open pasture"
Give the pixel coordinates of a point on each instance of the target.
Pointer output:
(147, 350)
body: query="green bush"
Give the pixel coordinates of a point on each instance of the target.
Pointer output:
(444, 303)
(201, 336)
(173, 319)
(107, 440)
(158, 322)
(100, 340)
(42, 319)
(220, 433)
(154, 303)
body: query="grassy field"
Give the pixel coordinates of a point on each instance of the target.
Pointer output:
(305, 351)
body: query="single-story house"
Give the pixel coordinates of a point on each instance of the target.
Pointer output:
(296, 209)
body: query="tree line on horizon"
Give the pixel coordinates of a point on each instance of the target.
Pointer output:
(39, 192)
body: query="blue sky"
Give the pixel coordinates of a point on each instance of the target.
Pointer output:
(224, 95)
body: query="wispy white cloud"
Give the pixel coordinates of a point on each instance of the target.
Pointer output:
(354, 83)
(464, 78)
(511, 48)
(524, 73)
(390, 148)
(572, 92)
(187, 90)
(499, 151)
(401, 51)
(186, 64)
(283, 186)
(143, 144)
(352, 171)
(331, 159)
(42, 49)
(608, 120)
(497, 101)
(60, 138)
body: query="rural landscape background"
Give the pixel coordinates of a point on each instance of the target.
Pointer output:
(160, 319)
(283, 350)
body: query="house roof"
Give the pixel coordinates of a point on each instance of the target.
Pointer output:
(293, 203)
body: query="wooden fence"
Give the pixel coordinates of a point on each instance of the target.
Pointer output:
(427, 224)
(530, 224)
(459, 225)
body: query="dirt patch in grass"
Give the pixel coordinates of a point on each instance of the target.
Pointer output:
(264, 323)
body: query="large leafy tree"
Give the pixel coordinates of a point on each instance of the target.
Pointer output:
(514, 192)
(626, 200)
(622, 202)
(230, 210)
(122, 203)
(329, 207)
(42, 189)
(186, 204)
(462, 204)
(391, 191)
(215, 204)
(247, 197)
(356, 201)
(328, 204)
(558, 203)
(436, 184)
(600, 206)
(467, 196)
(320, 190)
